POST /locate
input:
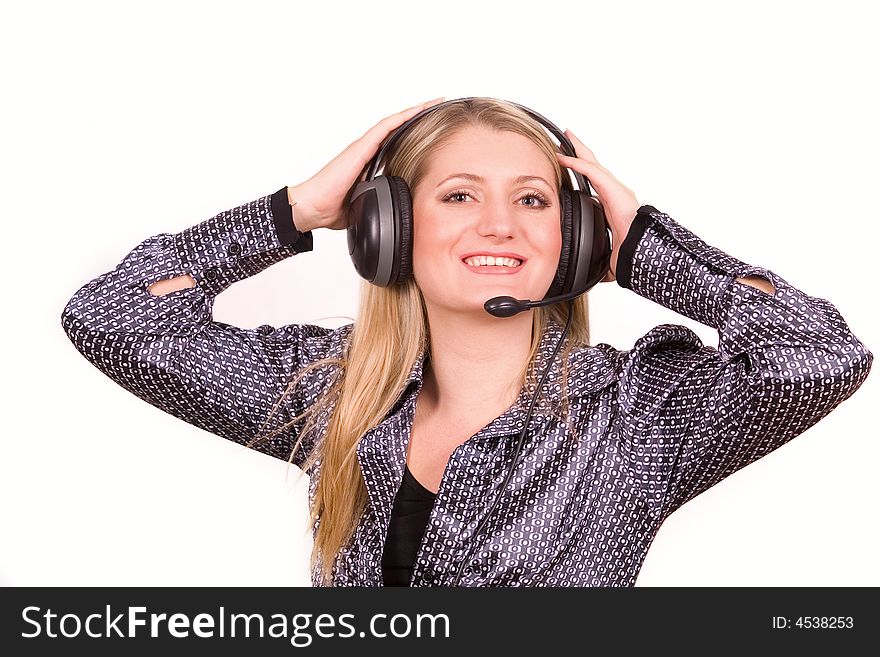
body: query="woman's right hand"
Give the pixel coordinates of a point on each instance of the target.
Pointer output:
(320, 200)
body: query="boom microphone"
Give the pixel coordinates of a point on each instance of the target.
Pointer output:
(508, 306)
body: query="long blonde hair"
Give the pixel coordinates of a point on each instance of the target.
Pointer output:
(390, 332)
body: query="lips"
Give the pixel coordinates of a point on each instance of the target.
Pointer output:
(493, 269)
(496, 270)
(494, 254)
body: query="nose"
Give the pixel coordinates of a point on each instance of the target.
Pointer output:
(496, 219)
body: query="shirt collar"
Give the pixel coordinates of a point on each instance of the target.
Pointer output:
(591, 368)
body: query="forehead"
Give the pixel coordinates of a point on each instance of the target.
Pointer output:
(493, 154)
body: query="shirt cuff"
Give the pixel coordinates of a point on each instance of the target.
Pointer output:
(285, 229)
(623, 274)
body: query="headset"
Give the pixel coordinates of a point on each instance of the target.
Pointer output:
(380, 229)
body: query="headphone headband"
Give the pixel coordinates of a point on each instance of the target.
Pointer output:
(564, 142)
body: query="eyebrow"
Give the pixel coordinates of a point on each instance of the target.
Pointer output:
(475, 178)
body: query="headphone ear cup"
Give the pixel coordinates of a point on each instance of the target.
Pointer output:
(371, 231)
(402, 267)
(380, 230)
(561, 284)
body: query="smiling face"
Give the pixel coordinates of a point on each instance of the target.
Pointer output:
(506, 204)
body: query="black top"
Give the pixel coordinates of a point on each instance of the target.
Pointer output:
(409, 517)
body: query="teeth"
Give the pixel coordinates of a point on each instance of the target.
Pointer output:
(479, 261)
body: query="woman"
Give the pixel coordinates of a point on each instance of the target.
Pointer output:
(407, 420)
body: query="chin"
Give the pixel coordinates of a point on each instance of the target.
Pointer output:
(476, 303)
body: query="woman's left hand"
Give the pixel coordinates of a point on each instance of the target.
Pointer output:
(618, 200)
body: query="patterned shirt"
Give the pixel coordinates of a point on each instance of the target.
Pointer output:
(654, 426)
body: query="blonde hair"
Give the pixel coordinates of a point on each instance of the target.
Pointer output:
(390, 332)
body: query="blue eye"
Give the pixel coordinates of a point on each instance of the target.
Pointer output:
(537, 195)
(533, 194)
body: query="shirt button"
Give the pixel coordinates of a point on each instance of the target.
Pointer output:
(211, 273)
(234, 249)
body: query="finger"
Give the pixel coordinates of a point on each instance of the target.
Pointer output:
(400, 117)
(360, 151)
(577, 163)
(428, 103)
(579, 147)
(415, 109)
(439, 99)
(595, 173)
(588, 167)
(377, 134)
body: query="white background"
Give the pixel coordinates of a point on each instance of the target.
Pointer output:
(754, 125)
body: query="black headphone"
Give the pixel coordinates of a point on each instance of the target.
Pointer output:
(380, 228)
